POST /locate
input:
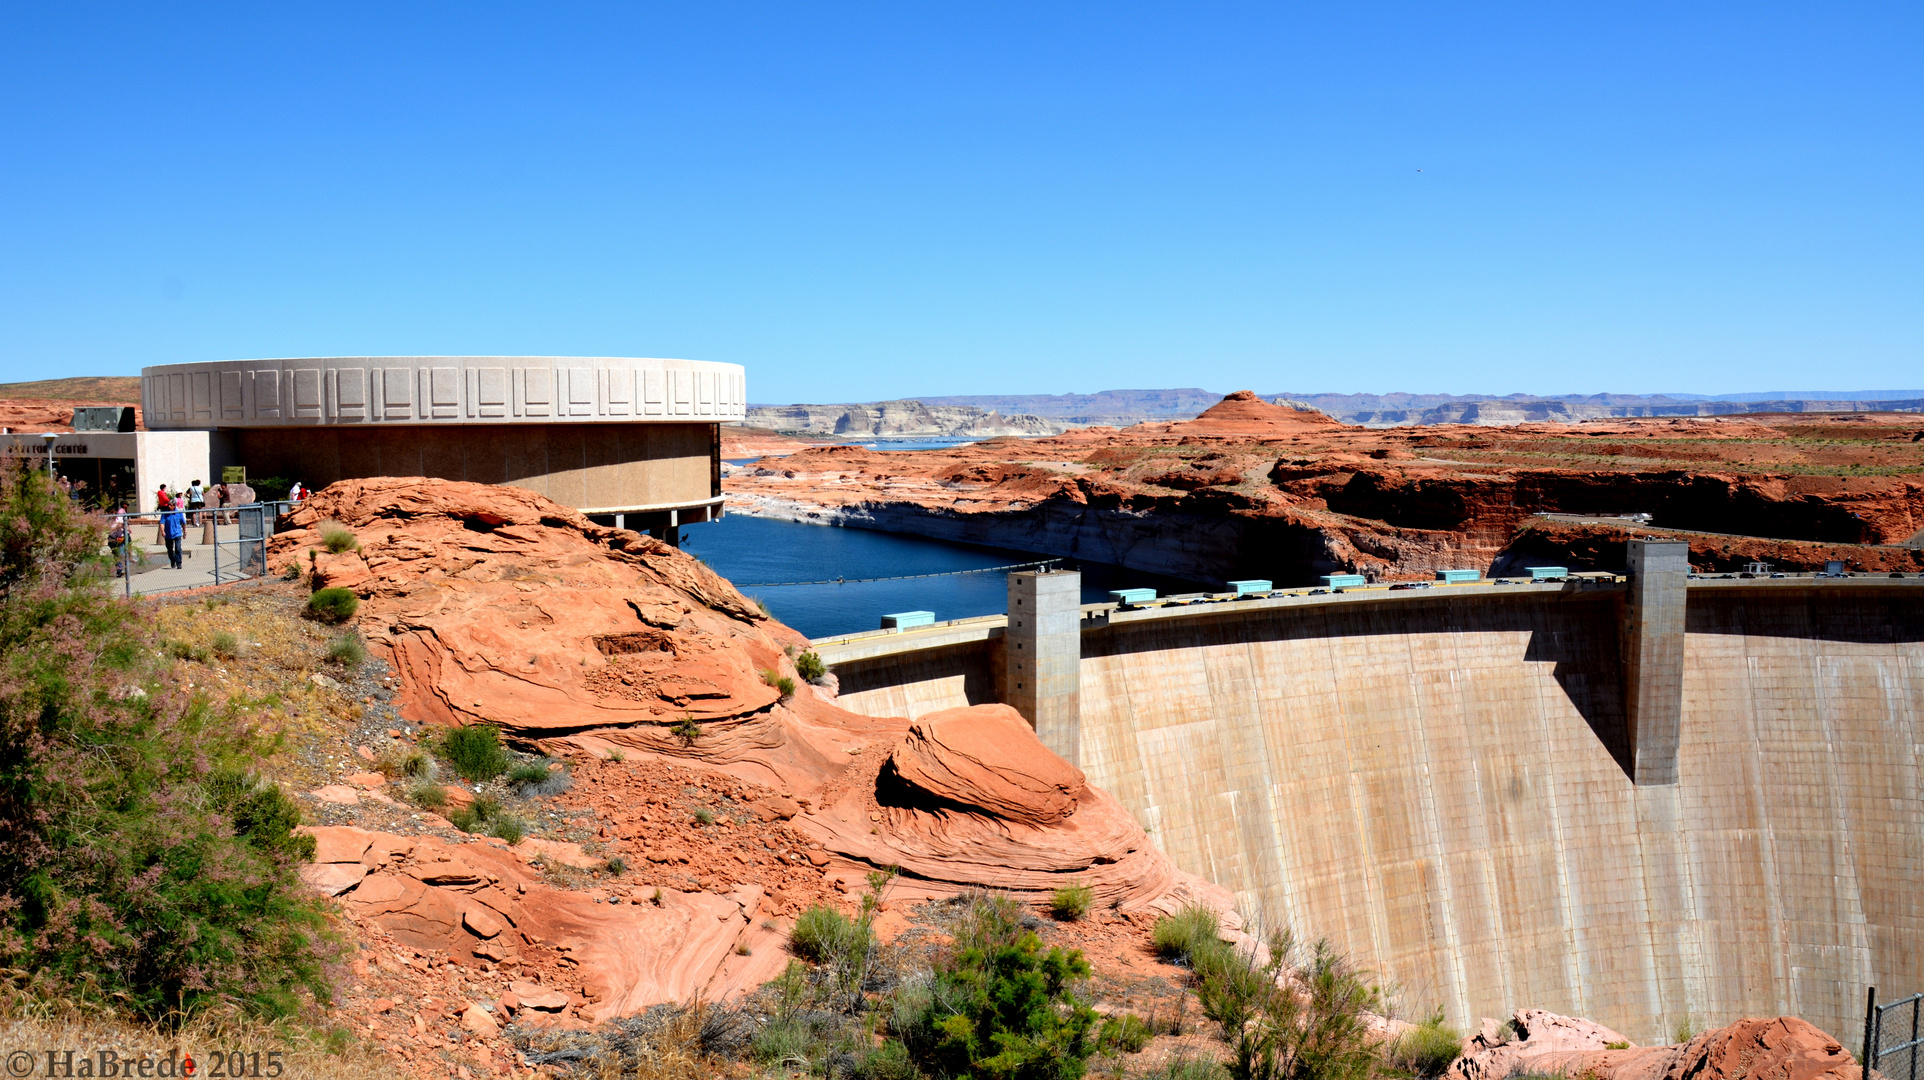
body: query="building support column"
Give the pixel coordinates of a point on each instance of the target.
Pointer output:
(1043, 651)
(1653, 656)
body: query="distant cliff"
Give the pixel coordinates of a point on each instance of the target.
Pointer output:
(884, 419)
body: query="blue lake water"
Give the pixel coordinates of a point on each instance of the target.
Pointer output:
(759, 553)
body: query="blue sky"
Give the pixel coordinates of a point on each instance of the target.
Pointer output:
(868, 202)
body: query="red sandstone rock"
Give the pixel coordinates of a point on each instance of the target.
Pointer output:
(1780, 1048)
(367, 780)
(340, 794)
(987, 759)
(1250, 489)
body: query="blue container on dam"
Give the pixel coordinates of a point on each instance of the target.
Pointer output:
(1244, 588)
(1548, 573)
(1344, 581)
(1132, 596)
(1457, 577)
(902, 620)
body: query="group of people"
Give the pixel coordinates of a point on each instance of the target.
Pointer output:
(174, 506)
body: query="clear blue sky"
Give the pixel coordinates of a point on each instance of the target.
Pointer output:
(866, 202)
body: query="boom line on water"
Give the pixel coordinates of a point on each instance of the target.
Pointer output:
(899, 577)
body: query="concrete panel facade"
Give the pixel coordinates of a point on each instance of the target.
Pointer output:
(597, 468)
(1653, 655)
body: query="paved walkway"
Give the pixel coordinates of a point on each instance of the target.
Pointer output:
(197, 561)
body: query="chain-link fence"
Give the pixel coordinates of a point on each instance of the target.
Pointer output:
(1891, 1032)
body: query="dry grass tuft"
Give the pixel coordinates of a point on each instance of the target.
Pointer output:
(39, 1025)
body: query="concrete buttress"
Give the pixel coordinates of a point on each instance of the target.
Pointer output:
(1653, 656)
(1043, 651)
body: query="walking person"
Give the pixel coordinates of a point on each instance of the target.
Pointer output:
(172, 524)
(117, 540)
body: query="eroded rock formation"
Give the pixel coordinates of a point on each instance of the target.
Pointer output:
(1250, 489)
(1779, 1048)
(501, 607)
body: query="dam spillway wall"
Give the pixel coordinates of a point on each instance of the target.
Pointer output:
(1441, 785)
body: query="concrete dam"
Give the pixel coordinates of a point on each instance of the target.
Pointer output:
(1645, 800)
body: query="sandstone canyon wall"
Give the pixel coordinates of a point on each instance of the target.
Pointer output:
(1437, 784)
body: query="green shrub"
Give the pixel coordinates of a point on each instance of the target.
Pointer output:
(1614, 1044)
(1071, 902)
(780, 682)
(183, 650)
(336, 537)
(413, 762)
(687, 731)
(539, 779)
(785, 1043)
(428, 795)
(144, 863)
(1006, 1010)
(347, 650)
(809, 666)
(827, 936)
(481, 815)
(1179, 936)
(1426, 1049)
(225, 644)
(889, 1061)
(1125, 1032)
(507, 827)
(704, 815)
(1314, 1026)
(475, 752)
(291, 572)
(1184, 1067)
(333, 605)
(617, 865)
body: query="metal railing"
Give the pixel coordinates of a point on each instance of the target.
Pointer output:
(1874, 1033)
(238, 557)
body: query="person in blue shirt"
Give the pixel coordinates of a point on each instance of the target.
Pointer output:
(172, 524)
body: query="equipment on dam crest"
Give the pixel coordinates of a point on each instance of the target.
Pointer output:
(1548, 573)
(1454, 577)
(1344, 581)
(1244, 588)
(902, 620)
(1132, 596)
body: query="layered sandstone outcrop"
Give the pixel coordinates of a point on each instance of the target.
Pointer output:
(1251, 489)
(1779, 1048)
(501, 607)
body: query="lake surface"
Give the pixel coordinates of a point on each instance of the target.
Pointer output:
(759, 554)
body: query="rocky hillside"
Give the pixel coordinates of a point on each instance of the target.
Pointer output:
(1253, 489)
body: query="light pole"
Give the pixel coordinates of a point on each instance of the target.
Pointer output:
(50, 437)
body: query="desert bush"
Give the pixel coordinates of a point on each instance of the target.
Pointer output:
(809, 666)
(704, 815)
(143, 859)
(507, 827)
(1009, 1009)
(291, 572)
(347, 650)
(1426, 1049)
(412, 762)
(475, 752)
(1183, 1067)
(225, 644)
(185, 650)
(1071, 902)
(687, 730)
(336, 537)
(539, 779)
(333, 605)
(616, 865)
(1125, 1032)
(827, 936)
(780, 682)
(1311, 1026)
(1181, 935)
(428, 795)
